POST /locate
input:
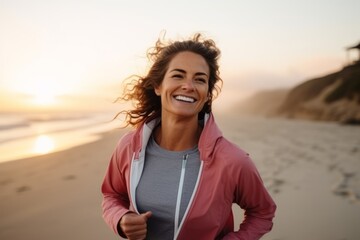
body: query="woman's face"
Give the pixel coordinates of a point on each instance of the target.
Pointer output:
(185, 87)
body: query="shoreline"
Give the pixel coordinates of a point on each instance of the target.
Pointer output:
(38, 134)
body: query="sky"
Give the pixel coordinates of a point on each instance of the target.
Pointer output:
(66, 55)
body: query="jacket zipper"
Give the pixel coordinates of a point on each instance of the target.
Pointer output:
(191, 199)
(179, 194)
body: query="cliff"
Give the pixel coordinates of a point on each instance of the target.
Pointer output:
(333, 97)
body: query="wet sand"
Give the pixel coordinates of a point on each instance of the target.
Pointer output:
(312, 170)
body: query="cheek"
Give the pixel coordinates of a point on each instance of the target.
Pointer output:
(206, 92)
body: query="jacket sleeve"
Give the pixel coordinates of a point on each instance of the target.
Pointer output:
(252, 196)
(115, 202)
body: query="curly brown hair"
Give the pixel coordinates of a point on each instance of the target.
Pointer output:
(147, 105)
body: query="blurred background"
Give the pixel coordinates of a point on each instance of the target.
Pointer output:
(283, 63)
(63, 55)
(62, 60)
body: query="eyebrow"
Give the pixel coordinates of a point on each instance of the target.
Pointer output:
(183, 71)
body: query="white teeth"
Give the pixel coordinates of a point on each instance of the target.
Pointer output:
(185, 99)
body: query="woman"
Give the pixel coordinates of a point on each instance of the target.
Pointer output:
(175, 176)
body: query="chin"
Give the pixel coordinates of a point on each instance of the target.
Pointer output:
(187, 114)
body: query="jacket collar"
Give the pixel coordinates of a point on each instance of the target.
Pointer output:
(208, 138)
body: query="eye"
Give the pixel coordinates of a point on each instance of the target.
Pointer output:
(177, 76)
(202, 80)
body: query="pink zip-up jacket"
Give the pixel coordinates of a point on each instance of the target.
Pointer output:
(227, 175)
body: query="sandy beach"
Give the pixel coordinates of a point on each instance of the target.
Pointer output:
(312, 170)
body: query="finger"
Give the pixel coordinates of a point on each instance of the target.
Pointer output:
(146, 215)
(137, 235)
(132, 219)
(134, 226)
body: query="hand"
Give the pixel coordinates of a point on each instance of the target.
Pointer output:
(134, 225)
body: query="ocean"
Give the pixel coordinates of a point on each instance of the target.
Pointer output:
(25, 135)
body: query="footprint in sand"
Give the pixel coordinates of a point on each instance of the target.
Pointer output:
(22, 189)
(343, 188)
(69, 177)
(5, 182)
(276, 184)
(354, 150)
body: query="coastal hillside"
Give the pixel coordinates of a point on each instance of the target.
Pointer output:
(333, 97)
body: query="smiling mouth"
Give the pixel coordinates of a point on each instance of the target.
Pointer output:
(185, 99)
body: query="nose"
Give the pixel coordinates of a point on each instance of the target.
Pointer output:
(188, 84)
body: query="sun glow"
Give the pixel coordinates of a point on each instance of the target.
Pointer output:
(44, 99)
(39, 90)
(43, 95)
(43, 144)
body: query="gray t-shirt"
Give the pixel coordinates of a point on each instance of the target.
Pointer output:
(157, 190)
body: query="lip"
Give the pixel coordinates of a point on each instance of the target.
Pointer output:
(184, 96)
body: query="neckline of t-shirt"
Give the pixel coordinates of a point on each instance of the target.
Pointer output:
(175, 153)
